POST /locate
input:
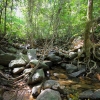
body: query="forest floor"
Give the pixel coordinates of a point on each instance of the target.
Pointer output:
(74, 85)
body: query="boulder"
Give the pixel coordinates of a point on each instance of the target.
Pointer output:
(72, 55)
(36, 90)
(51, 84)
(54, 58)
(6, 58)
(18, 70)
(85, 95)
(28, 70)
(23, 56)
(38, 77)
(96, 95)
(17, 63)
(63, 65)
(49, 94)
(78, 73)
(71, 68)
(31, 53)
(48, 63)
(35, 62)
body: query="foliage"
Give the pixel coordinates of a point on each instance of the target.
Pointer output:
(44, 18)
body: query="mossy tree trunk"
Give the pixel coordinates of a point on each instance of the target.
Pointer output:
(87, 42)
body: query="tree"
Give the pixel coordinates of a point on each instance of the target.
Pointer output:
(87, 42)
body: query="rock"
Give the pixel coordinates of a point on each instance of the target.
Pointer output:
(54, 58)
(85, 95)
(96, 95)
(23, 56)
(18, 70)
(48, 63)
(35, 62)
(63, 65)
(31, 53)
(78, 73)
(6, 58)
(28, 70)
(12, 50)
(36, 90)
(38, 77)
(17, 63)
(72, 55)
(49, 94)
(74, 62)
(51, 84)
(71, 68)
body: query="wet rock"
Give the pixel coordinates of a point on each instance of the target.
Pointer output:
(36, 90)
(51, 84)
(78, 73)
(96, 95)
(71, 68)
(6, 58)
(49, 94)
(54, 58)
(38, 77)
(72, 55)
(31, 53)
(18, 70)
(17, 63)
(85, 95)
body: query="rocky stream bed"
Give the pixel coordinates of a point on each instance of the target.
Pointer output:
(28, 74)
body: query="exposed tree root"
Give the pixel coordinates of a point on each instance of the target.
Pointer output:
(91, 68)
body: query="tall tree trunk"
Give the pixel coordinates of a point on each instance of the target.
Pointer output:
(5, 19)
(87, 42)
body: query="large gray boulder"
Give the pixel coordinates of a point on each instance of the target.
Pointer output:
(49, 94)
(17, 63)
(6, 58)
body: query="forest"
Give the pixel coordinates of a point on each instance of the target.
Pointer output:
(49, 49)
